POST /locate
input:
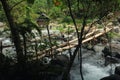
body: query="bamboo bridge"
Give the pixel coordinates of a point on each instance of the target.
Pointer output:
(95, 33)
(73, 43)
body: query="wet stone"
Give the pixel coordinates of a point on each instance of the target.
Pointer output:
(114, 51)
(61, 60)
(117, 70)
(111, 77)
(117, 29)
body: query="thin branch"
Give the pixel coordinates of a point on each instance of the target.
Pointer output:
(16, 4)
(69, 5)
(49, 40)
(77, 48)
(80, 45)
(81, 38)
(91, 25)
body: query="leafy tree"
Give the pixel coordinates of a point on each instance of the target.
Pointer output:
(9, 7)
(14, 31)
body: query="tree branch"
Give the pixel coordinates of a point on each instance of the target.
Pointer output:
(16, 4)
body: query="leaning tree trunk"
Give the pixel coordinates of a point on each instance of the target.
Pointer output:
(14, 32)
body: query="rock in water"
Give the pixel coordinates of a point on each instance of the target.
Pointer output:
(114, 51)
(61, 60)
(106, 51)
(111, 77)
(117, 70)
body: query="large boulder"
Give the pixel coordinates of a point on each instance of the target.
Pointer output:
(118, 19)
(110, 59)
(114, 51)
(117, 70)
(116, 29)
(106, 51)
(112, 55)
(61, 60)
(111, 77)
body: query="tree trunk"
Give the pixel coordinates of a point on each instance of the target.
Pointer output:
(66, 73)
(14, 32)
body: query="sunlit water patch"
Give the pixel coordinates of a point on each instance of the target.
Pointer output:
(91, 72)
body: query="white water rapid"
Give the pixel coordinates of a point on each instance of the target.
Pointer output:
(93, 66)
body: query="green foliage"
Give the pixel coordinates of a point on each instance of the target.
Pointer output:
(70, 30)
(48, 7)
(2, 14)
(18, 12)
(61, 28)
(43, 6)
(55, 12)
(67, 19)
(103, 9)
(113, 34)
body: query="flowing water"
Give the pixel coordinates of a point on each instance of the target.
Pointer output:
(93, 66)
(8, 51)
(91, 72)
